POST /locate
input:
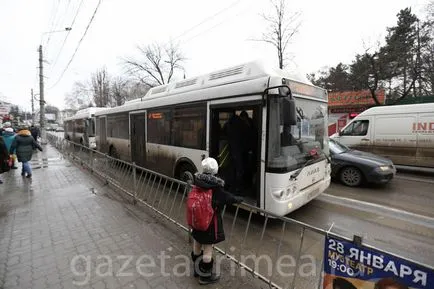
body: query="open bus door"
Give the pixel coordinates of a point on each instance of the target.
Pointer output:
(246, 184)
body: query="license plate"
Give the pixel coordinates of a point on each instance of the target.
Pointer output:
(312, 194)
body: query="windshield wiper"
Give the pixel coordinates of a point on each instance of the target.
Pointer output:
(297, 173)
(308, 162)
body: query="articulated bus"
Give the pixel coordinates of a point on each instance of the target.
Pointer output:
(80, 128)
(175, 126)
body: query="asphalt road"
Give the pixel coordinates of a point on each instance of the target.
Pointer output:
(407, 192)
(397, 217)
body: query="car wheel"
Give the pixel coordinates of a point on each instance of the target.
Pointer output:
(114, 153)
(351, 176)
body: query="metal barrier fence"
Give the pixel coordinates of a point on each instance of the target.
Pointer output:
(280, 251)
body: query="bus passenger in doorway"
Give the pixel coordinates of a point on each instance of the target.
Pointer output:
(249, 136)
(233, 128)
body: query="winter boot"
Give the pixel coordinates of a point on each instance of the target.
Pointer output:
(206, 274)
(195, 258)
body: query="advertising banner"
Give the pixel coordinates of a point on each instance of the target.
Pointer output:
(354, 98)
(50, 116)
(348, 266)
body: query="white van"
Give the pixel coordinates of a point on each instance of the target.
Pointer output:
(403, 133)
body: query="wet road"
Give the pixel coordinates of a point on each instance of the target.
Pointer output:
(397, 217)
(408, 192)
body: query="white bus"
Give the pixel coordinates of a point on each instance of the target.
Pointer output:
(277, 157)
(80, 128)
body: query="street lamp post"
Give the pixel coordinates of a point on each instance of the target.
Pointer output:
(41, 90)
(41, 98)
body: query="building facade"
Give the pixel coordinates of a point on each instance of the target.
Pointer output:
(345, 105)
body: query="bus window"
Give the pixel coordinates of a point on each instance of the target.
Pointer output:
(159, 127)
(118, 125)
(188, 127)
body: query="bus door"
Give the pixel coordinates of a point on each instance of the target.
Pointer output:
(235, 142)
(103, 134)
(138, 138)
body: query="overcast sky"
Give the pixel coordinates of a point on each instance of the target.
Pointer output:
(212, 35)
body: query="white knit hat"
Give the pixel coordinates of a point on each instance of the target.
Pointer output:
(210, 166)
(9, 129)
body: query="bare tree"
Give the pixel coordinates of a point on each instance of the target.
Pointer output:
(136, 89)
(158, 65)
(119, 92)
(282, 26)
(79, 97)
(101, 88)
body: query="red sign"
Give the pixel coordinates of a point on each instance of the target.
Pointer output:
(354, 98)
(423, 127)
(155, 115)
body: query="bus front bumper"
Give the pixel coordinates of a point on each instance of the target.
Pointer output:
(286, 206)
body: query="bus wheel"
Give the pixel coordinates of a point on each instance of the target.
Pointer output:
(113, 152)
(351, 176)
(186, 173)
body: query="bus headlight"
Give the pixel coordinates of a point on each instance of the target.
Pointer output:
(278, 194)
(288, 192)
(292, 190)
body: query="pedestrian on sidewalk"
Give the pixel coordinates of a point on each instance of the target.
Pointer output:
(4, 156)
(9, 136)
(35, 133)
(203, 240)
(23, 145)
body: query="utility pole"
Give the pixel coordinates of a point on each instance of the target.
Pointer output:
(33, 108)
(419, 61)
(41, 98)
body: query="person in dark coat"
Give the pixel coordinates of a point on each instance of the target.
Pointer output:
(23, 145)
(203, 240)
(35, 133)
(4, 156)
(249, 155)
(233, 129)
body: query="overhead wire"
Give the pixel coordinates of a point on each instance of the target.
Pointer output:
(50, 27)
(78, 45)
(60, 23)
(216, 25)
(67, 35)
(208, 19)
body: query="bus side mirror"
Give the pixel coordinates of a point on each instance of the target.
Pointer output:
(288, 113)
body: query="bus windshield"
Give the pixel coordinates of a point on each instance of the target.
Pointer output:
(289, 147)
